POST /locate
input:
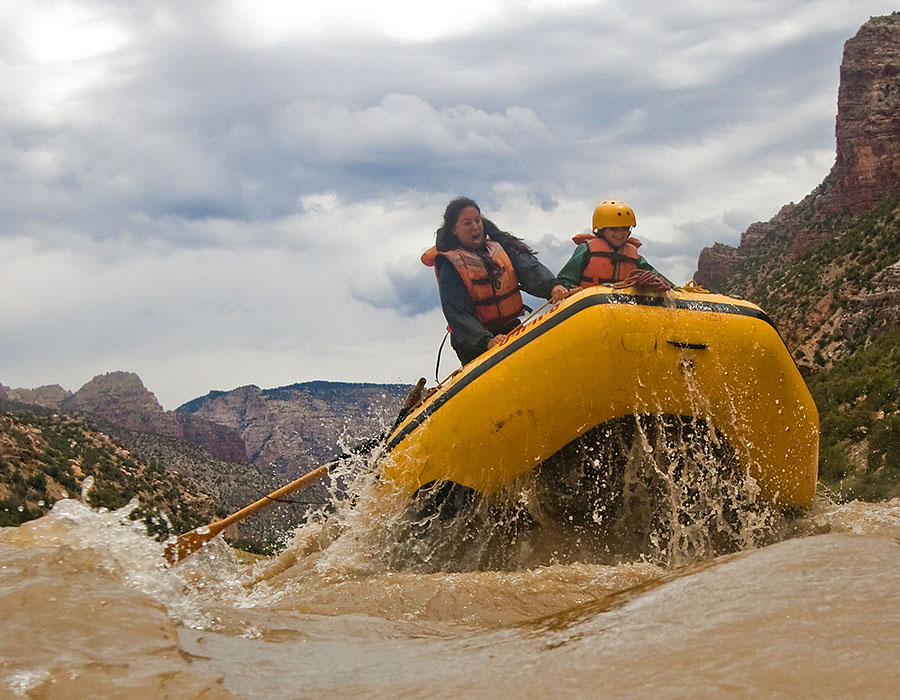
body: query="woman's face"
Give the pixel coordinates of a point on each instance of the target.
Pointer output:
(469, 229)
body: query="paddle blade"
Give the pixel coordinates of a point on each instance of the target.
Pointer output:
(188, 543)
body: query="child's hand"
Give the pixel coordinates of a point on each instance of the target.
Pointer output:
(644, 279)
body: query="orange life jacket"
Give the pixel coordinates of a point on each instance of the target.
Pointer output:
(607, 264)
(496, 297)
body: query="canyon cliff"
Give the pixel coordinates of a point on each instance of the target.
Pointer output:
(867, 162)
(825, 268)
(827, 272)
(293, 429)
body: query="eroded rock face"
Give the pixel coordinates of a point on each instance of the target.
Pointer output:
(867, 163)
(754, 234)
(122, 399)
(292, 429)
(867, 166)
(219, 440)
(715, 263)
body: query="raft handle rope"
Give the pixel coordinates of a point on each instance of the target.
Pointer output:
(536, 312)
(437, 366)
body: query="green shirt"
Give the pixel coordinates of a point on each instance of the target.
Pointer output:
(572, 271)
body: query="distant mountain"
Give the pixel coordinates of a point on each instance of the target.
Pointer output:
(201, 447)
(292, 429)
(827, 270)
(50, 396)
(122, 399)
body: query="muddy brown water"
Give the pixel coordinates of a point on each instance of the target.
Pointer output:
(89, 610)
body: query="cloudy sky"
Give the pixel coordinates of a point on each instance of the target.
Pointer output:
(215, 193)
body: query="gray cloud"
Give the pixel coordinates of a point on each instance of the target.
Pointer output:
(411, 289)
(177, 183)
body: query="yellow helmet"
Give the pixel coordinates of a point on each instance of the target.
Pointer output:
(612, 213)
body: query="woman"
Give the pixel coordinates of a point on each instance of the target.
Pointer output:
(480, 270)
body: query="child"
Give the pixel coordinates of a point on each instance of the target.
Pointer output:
(610, 255)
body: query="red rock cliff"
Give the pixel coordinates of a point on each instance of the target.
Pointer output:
(867, 163)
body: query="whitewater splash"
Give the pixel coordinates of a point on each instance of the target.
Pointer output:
(653, 489)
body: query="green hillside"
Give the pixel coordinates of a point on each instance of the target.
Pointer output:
(837, 304)
(859, 410)
(46, 456)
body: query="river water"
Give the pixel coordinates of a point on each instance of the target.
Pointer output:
(810, 610)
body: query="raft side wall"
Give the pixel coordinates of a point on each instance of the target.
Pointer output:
(595, 358)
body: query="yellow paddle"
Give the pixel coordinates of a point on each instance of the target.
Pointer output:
(191, 541)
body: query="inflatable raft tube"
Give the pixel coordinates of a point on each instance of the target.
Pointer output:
(602, 355)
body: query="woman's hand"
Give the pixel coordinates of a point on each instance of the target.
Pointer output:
(558, 293)
(498, 339)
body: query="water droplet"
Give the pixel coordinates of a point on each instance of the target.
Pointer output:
(86, 486)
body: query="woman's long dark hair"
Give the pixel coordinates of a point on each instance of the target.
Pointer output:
(446, 240)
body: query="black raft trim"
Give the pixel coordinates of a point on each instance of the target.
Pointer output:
(551, 323)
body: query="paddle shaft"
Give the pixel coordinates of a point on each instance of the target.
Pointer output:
(191, 541)
(266, 501)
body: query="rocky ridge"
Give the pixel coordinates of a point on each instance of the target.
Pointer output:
(295, 428)
(122, 399)
(827, 271)
(867, 162)
(49, 396)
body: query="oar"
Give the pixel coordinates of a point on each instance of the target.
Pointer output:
(189, 542)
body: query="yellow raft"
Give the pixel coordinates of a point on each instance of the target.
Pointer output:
(604, 354)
